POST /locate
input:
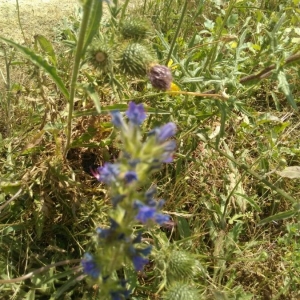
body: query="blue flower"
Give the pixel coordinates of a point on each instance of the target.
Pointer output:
(149, 212)
(137, 256)
(161, 219)
(139, 262)
(164, 132)
(107, 174)
(90, 266)
(150, 193)
(136, 113)
(130, 176)
(112, 233)
(168, 149)
(116, 119)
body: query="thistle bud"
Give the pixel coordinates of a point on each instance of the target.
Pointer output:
(182, 291)
(160, 77)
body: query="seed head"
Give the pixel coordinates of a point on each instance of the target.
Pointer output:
(160, 77)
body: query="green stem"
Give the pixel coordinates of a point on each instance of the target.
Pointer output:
(8, 89)
(123, 11)
(212, 54)
(78, 55)
(177, 31)
(19, 20)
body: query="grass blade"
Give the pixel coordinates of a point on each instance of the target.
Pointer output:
(284, 86)
(278, 217)
(94, 23)
(40, 62)
(46, 45)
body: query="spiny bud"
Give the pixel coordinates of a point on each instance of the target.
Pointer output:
(160, 77)
(136, 59)
(181, 291)
(136, 29)
(100, 55)
(180, 265)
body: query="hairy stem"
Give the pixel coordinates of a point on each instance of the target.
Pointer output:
(177, 31)
(78, 56)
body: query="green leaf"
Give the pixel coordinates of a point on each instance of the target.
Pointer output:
(290, 172)
(47, 47)
(183, 227)
(278, 217)
(30, 295)
(93, 23)
(42, 63)
(67, 285)
(284, 86)
(250, 200)
(94, 96)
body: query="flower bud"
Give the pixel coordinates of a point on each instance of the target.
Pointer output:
(160, 77)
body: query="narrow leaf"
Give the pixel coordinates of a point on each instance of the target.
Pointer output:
(94, 96)
(46, 46)
(67, 285)
(93, 24)
(42, 63)
(284, 86)
(278, 217)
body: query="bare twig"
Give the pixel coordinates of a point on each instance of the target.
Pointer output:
(15, 196)
(267, 71)
(264, 73)
(208, 95)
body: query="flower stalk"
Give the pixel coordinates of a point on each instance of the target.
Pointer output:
(132, 206)
(92, 12)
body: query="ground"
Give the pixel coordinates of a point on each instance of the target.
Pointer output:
(36, 16)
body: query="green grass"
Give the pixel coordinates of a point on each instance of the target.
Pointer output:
(234, 208)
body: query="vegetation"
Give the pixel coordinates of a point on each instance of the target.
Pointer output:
(232, 188)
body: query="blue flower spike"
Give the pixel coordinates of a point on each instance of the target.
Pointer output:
(148, 213)
(90, 266)
(119, 242)
(136, 113)
(166, 131)
(107, 174)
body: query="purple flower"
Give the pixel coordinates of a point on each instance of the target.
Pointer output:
(136, 113)
(149, 212)
(167, 155)
(112, 233)
(150, 193)
(107, 174)
(145, 213)
(139, 262)
(164, 132)
(130, 176)
(161, 219)
(117, 119)
(90, 266)
(137, 256)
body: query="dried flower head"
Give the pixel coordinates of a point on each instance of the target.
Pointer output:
(160, 77)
